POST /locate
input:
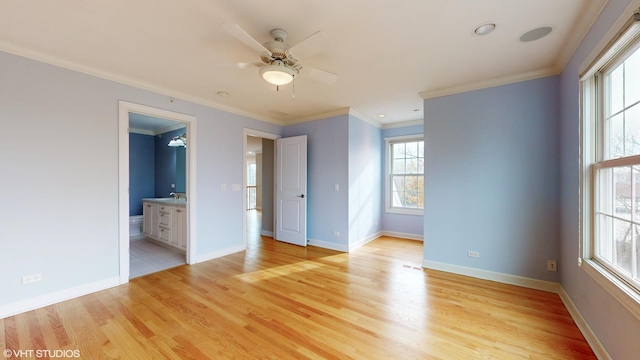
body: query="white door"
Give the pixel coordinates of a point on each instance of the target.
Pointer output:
(291, 190)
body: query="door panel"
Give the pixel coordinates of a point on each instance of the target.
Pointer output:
(291, 190)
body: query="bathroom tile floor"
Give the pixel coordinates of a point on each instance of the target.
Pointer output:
(146, 258)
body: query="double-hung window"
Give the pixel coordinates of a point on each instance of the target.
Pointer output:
(611, 158)
(405, 175)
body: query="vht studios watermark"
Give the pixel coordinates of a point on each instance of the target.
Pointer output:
(52, 354)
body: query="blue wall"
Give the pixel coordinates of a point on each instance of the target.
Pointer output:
(365, 200)
(400, 223)
(492, 178)
(141, 171)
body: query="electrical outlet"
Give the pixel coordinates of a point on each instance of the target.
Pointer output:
(336, 233)
(552, 265)
(31, 278)
(474, 254)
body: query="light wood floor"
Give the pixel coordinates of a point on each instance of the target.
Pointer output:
(278, 301)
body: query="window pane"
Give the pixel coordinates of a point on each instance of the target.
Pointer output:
(604, 247)
(412, 150)
(632, 79)
(398, 183)
(399, 166)
(412, 166)
(615, 91)
(632, 131)
(615, 137)
(622, 252)
(622, 192)
(398, 151)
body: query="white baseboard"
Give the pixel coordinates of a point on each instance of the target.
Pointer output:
(266, 233)
(403, 235)
(328, 245)
(493, 276)
(56, 297)
(364, 241)
(597, 347)
(219, 253)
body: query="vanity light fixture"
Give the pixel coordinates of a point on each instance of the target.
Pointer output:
(178, 141)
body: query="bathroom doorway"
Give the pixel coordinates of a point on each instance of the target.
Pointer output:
(157, 170)
(146, 129)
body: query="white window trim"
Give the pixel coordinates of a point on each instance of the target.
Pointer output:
(387, 169)
(606, 50)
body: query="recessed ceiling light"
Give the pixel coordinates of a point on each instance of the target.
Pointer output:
(484, 29)
(223, 93)
(381, 115)
(536, 33)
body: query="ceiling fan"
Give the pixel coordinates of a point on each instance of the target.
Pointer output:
(281, 61)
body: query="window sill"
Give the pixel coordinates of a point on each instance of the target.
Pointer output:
(625, 295)
(405, 211)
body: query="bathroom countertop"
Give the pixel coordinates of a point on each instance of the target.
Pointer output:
(168, 201)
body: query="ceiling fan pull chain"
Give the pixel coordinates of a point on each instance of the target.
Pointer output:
(293, 87)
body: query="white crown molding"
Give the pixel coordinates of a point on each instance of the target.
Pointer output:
(578, 32)
(614, 31)
(141, 131)
(171, 128)
(333, 113)
(324, 115)
(364, 118)
(431, 94)
(403, 124)
(123, 79)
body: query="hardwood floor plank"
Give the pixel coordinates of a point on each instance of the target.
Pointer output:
(279, 301)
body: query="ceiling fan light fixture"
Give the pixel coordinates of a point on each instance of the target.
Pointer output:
(277, 74)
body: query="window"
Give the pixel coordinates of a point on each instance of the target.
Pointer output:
(405, 170)
(611, 159)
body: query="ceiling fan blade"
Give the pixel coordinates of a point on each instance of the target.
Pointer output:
(236, 31)
(238, 65)
(319, 75)
(313, 45)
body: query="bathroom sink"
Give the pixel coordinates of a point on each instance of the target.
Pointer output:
(168, 200)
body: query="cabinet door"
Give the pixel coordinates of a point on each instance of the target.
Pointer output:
(165, 234)
(177, 226)
(183, 230)
(150, 219)
(155, 231)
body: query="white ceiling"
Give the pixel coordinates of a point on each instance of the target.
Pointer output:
(387, 54)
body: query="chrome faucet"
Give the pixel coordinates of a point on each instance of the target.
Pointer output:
(175, 196)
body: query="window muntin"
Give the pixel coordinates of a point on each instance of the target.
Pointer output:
(405, 189)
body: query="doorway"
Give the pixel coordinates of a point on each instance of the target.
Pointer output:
(258, 148)
(125, 110)
(157, 170)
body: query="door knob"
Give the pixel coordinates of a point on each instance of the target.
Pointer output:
(300, 196)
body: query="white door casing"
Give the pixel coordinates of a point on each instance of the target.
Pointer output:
(291, 190)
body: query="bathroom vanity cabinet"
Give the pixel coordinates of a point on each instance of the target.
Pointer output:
(165, 222)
